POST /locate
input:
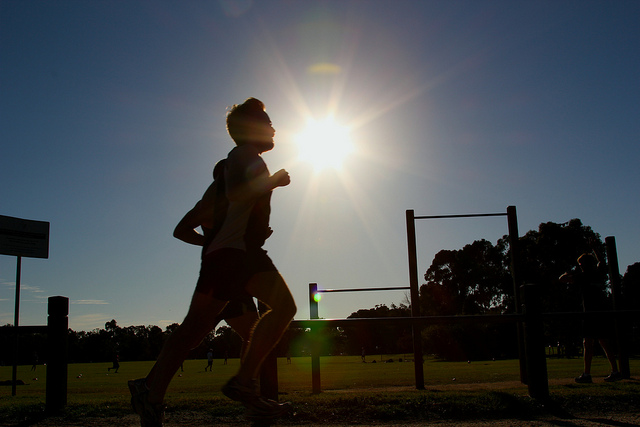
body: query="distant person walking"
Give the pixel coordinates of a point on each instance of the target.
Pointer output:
(234, 266)
(586, 277)
(35, 361)
(115, 363)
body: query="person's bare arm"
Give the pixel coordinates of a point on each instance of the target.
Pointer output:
(244, 182)
(566, 278)
(200, 215)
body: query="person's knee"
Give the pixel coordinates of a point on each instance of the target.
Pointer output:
(291, 309)
(272, 290)
(287, 306)
(284, 310)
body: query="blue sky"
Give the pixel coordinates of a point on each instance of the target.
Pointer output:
(112, 117)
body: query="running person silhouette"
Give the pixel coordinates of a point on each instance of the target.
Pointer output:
(234, 266)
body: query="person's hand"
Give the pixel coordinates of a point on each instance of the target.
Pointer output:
(566, 278)
(282, 178)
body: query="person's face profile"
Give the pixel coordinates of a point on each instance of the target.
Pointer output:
(264, 132)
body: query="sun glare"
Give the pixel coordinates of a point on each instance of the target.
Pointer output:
(324, 143)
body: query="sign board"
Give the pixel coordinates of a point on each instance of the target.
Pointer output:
(23, 237)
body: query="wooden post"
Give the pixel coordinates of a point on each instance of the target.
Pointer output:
(315, 348)
(536, 365)
(416, 328)
(16, 337)
(618, 304)
(57, 339)
(512, 222)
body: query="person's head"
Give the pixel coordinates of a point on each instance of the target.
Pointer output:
(587, 262)
(248, 123)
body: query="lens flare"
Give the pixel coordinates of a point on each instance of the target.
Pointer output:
(324, 144)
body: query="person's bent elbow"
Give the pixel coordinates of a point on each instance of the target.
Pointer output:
(188, 235)
(180, 232)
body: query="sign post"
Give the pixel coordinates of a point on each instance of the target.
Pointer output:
(22, 237)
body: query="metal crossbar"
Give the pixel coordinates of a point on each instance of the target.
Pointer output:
(459, 215)
(397, 288)
(474, 318)
(408, 321)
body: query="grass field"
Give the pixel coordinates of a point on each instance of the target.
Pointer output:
(386, 389)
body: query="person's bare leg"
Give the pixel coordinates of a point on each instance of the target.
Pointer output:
(271, 289)
(243, 325)
(608, 351)
(588, 354)
(199, 321)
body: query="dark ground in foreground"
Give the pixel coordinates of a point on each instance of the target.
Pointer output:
(470, 405)
(188, 419)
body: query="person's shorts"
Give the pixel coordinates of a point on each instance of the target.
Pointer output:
(224, 273)
(237, 308)
(597, 328)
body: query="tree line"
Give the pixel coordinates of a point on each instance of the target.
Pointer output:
(473, 280)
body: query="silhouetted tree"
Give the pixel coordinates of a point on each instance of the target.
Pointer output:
(476, 280)
(473, 280)
(380, 338)
(226, 340)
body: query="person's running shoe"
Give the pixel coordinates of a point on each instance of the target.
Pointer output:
(584, 379)
(613, 376)
(239, 392)
(265, 409)
(151, 414)
(257, 406)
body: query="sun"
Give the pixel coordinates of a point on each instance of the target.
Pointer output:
(324, 143)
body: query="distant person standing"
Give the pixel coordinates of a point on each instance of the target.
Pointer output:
(233, 265)
(209, 361)
(586, 277)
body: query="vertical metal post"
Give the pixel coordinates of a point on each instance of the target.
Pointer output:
(315, 348)
(16, 322)
(313, 303)
(416, 327)
(536, 365)
(618, 304)
(512, 221)
(57, 338)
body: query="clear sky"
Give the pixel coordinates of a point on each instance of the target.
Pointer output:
(112, 116)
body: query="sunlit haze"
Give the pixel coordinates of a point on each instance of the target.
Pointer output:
(324, 144)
